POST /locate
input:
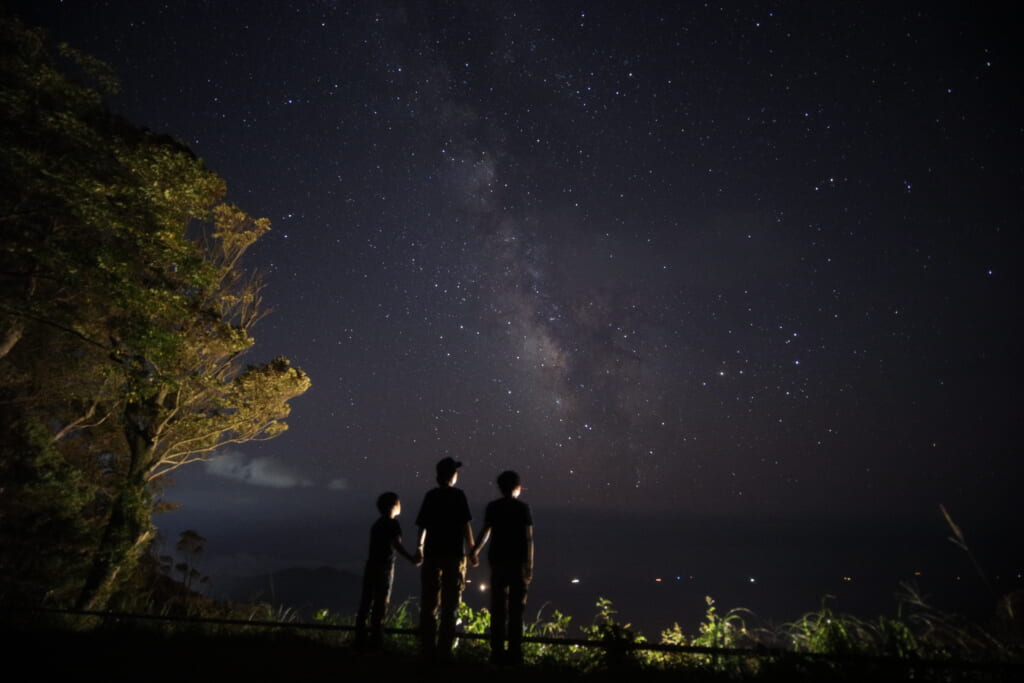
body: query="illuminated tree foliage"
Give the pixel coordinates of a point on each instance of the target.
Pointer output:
(124, 316)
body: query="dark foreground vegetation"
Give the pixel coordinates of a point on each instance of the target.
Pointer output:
(267, 645)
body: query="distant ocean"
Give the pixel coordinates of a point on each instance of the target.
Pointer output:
(658, 571)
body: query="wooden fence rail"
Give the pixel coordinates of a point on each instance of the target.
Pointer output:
(612, 646)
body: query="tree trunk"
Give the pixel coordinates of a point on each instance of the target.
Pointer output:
(130, 525)
(124, 540)
(12, 336)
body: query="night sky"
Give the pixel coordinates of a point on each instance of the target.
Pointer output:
(743, 261)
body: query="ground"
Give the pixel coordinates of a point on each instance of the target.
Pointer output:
(122, 653)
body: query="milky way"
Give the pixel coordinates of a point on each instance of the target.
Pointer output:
(715, 260)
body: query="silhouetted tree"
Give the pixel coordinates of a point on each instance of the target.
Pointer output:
(190, 545)
(124, 309)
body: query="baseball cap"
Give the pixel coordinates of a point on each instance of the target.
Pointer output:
(447, 466)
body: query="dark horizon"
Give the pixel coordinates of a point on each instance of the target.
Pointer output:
(795, 564)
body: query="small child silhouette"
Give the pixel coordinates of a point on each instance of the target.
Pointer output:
(379, 575)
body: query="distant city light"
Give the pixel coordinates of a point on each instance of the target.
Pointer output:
(574, 581)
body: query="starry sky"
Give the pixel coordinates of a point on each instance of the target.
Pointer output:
(705, 260)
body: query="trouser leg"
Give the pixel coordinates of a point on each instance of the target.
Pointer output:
(430, 582)
(516, 606)
(381, 598)
(499, 598)
(365, 601)
(453, 580)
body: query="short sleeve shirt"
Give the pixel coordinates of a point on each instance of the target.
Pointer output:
(382, 536)
(444, 515)
(508, 519)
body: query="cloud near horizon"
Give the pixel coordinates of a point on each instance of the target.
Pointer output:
(259, 471)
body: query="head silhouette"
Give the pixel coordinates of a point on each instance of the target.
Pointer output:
(447, 468)
(508, 482)
(386, 502)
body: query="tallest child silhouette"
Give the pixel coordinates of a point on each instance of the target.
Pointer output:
(445, 535)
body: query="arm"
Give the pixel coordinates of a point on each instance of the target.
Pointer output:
(529, 554)
(469, 544)
(483, 537)
(396, 543)
(421, 538)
